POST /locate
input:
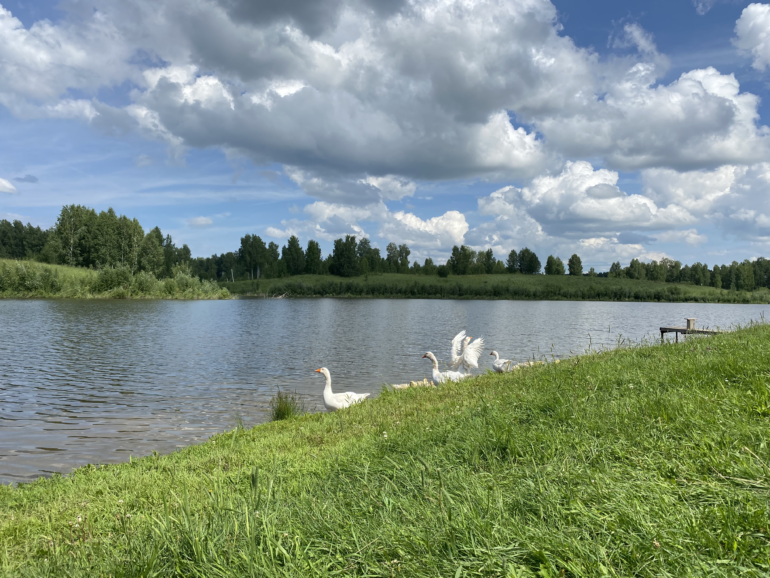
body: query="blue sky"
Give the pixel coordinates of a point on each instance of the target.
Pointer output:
(616, 130)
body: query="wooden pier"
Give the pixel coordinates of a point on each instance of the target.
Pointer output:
(689, 330)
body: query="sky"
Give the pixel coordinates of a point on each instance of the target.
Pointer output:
(611, 129)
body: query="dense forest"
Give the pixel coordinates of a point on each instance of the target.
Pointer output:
(82, 237)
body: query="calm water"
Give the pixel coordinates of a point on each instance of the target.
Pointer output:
(94, 381)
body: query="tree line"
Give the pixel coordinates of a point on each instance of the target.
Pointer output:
(82, 237)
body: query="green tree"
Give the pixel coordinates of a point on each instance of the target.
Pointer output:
(391, 257)
(512, 264)
(528, 263)
(344, 257)
(429, 268)
(313, 258)
(615, 270)
(635, 270)
(744, 276)
(253, 255)
(592, 272)
(294, 256)
(363, 249)
(554, 266)
(106, 253)
(716, 277)
(151, 253)
(72, 228)
(499, 268)
(487, 260)
(403, 258)
(575, 265)
(461, 260)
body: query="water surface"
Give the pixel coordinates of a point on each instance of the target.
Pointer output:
(96, 381)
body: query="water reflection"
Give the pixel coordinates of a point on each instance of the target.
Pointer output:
(93, 381)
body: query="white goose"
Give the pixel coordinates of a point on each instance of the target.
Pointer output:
(335, 401)
(500, 365)
(459, 343)
(439, 377)
(469, 358)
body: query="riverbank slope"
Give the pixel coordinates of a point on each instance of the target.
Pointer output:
(648, 461)
(524, 287)
(32, 280)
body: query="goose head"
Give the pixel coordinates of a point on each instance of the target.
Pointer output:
(430, 356)
(325, 372)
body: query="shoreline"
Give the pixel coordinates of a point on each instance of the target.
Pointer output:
(628, 446)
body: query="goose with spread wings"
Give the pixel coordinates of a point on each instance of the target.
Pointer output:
(465, 352)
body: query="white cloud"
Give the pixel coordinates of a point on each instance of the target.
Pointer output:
(7, 187)
(434, 233)
(700, 120)
(200, 222)
(753, 33)
(39, 64)
(582, 200)
(690, 236)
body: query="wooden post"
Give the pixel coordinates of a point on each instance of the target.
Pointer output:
(691, 322)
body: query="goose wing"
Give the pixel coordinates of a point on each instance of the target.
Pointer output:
(457, 355)
(472, 353)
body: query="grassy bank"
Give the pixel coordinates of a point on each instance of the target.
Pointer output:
(638, 462)
(27, 279)
(537, 287)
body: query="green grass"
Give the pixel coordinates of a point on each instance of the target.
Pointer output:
(28, 279)
(285, 405)
(493, 287)
(645, 461)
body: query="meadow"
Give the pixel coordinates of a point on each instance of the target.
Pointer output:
(641, 461)
(29, 279)
(546, 287)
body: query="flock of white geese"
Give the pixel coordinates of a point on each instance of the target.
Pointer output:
(465, 355)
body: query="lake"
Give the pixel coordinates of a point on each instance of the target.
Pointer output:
(94, 381)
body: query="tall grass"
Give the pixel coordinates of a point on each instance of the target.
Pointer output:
(285, 405)
(643, 461)
(27, 279)
(495, 287)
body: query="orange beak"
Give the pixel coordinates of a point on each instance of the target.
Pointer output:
(491, 354)
(424, 356)
(318, 370)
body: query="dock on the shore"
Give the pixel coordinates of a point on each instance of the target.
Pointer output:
(689, 330)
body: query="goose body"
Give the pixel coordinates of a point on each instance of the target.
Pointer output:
(439, 377)
(334, 401)
(500, 365)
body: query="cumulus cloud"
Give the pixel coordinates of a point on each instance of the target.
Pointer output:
(581, 200)
(200, 222)
(700, 120)
(753, 34)
(735, 198)
(7, 187)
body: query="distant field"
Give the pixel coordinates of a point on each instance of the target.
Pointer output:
(562, 287)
